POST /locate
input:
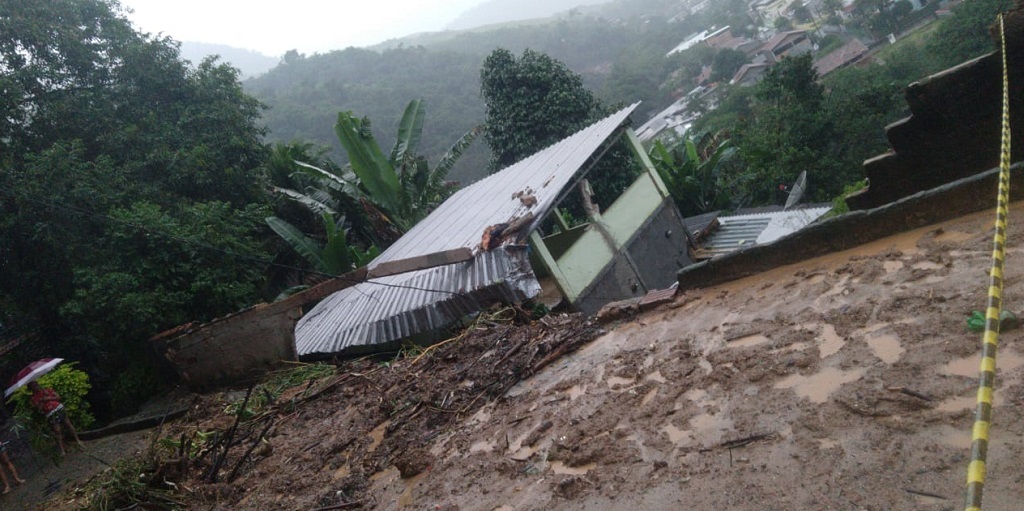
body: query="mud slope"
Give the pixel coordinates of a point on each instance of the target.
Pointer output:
(845, 382)
(771, 393)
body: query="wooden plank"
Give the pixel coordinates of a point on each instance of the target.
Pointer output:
(540, 250)
(422, 262)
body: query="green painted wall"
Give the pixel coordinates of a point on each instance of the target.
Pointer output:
(625, 217)
(580, 265)
(583, 262)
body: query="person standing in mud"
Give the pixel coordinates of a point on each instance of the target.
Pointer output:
(5, 459)
(47, 402)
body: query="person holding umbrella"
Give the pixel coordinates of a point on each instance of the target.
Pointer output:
(4, 458)
(47, 402)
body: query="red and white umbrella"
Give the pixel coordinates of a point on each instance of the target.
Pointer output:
(31, 373)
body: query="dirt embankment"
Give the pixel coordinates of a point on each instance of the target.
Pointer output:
(844, 382)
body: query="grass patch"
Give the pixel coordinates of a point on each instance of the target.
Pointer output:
(916, 39)
(277, 382)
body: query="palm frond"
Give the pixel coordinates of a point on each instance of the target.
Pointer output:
(306, 247)
(314, 204)
(410, 129)
(445, 164)
(368, 163)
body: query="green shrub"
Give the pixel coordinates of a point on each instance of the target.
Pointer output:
(839, 205)
(71, 385)
(132, 388)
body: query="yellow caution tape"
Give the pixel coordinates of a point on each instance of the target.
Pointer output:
(987, 376)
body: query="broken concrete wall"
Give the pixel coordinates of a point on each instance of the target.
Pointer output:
(619, 281)
(649, 260)
(660, 248)
(954, 127)
(234, 348)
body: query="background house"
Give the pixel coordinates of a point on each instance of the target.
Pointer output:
(791, 43)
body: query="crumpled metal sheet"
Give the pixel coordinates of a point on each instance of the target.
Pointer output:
(382, 311)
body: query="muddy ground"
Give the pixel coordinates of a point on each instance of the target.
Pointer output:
(845, 382)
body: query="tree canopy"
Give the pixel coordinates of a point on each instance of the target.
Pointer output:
(131, 186)
(531, 102)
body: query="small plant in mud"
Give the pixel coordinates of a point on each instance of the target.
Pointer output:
(410, 350)
(192, 446)
(269, 391)
(134, 483)
(839, 205)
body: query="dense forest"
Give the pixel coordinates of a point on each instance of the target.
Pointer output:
(138, 192)
(619, 52)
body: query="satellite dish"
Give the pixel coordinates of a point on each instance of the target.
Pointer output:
(797, 191)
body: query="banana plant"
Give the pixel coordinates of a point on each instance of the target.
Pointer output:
(336, 256)
(396, 190)
(696, 182)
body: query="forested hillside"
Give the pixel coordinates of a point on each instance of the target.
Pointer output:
(248, 62)
(618, 48)
(501, 11)
(306, 93)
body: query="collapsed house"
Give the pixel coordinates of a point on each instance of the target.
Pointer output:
(520, 250)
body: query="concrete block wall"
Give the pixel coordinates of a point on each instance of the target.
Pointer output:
(954, 128)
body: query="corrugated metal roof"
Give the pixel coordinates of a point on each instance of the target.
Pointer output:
(790, 221)
(460, 221)
(391, 308)
(741, 231)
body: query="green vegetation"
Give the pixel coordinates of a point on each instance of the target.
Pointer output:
(794, 120)
(534, 102)
(134, 188)
(386, 195)
(695, 173)
(131, 483)
(336, 256)
(131, 188)
(305, 93)
(839, 205)
(267, 392)
(531, 102)
(72, 385)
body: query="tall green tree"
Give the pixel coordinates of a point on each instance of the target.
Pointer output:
(789, 131)
(531, 102)
(965, 35)
(131, 184)
(534, 102)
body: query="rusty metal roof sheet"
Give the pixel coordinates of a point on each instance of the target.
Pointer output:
(388, 309)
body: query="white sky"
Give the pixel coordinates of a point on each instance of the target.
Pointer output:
(309, 26)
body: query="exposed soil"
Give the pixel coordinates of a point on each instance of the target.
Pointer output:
(845, 382)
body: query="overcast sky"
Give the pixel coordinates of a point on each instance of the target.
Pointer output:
(309, 26)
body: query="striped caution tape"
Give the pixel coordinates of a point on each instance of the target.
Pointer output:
(986, 378)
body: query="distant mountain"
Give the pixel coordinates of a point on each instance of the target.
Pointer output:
(250, 63)
(504, 11)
